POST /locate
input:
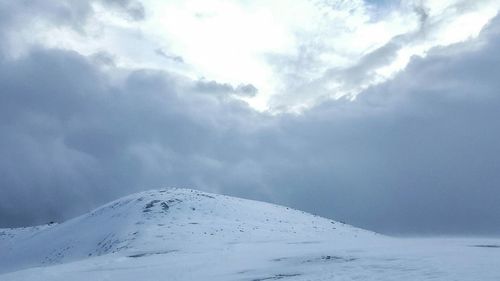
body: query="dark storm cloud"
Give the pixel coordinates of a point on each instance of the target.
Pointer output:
(418, 154)
(71, 139)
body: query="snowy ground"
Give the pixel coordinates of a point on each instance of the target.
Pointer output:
(181, 234)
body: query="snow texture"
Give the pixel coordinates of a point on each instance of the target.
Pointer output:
(182, 234)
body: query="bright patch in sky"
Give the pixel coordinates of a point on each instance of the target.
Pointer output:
(295, 55)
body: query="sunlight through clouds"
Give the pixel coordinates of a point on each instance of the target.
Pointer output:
(332, 48)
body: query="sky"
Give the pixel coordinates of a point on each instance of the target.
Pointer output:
(381, 114)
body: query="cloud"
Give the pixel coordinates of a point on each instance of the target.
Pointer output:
(247, 90)
(133, 9)
(380, 46)
(333, 49)
(15, 16)
(174, 58)
(74, 139)
(61, 12)
(417, 154)
(213, 87)
(62, 24)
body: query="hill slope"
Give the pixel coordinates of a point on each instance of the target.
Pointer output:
(162, 221)
(182, 234)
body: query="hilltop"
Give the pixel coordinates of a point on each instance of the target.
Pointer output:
(183, 234)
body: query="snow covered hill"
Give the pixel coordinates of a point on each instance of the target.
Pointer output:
(182, 234)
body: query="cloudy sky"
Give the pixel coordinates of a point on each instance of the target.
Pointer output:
(381, 113)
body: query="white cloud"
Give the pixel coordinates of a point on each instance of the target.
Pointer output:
(295, 54)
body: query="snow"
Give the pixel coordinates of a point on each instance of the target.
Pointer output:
(182, 234)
